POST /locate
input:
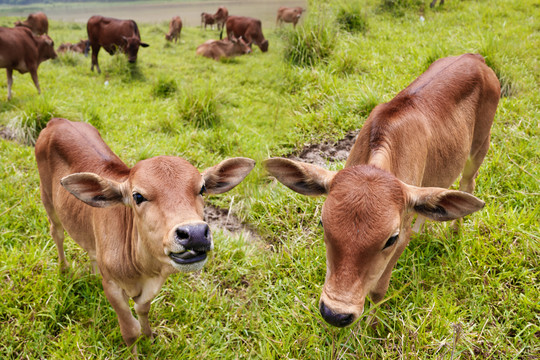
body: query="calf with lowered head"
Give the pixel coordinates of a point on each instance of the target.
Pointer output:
(409, 151)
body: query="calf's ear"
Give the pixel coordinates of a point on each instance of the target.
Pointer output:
(441, 204)
(303, 178)
(227, 174)
(93, 189)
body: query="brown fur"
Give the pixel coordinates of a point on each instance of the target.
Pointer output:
(37, 22)
(113, 35)
(218, 49)
(22, 51)
(207, 19)
(220, 17)
(88, 191)
(407, 154)
(175, 28)
(249, 29)
(289, 15)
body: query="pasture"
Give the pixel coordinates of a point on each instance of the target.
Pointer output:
(472, 295)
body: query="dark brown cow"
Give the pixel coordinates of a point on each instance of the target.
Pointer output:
(217, 49)
(289, 15)
(23, 51)
(175, 28)
(221, 16)
(113, 35)
(139, 224)
(207, 19)
(248, 28)
(409, 151)
(81, 47)
(37, 22)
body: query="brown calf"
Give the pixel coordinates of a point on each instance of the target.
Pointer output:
(248, 28)
(37, 22)
(409, 151)
(217, 49)
(139, 224)
(207, 19)
(23, 51)
(175, 27)
(81, 47)
(113, 35)
(289, 15)
(221, 16)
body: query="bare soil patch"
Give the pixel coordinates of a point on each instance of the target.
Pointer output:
(222, 219)
(328, 151)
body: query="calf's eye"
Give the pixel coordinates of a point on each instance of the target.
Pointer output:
(391, 241)
(203, 190)
(138, 198)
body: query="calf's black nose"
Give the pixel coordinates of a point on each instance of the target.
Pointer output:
(194, 237)
(336, 319)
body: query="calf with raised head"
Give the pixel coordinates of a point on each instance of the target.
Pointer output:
(217, 49)
(113, 35)
(37, 22)
(248, 28)
(139, 224)
(289, 15)
(175, 27)
(207, 19)
(221, 16)
(409, 151)
(23, 51)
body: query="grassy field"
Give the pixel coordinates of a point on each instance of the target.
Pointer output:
(475, 295)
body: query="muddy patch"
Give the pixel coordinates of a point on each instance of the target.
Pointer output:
(222, 219)
(328, 151)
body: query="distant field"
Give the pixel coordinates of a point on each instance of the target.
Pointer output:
(472, 295)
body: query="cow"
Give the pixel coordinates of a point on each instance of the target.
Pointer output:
(81, 47)
(407, 154)
(23, 51)
(434, 2)
(175, 27)
(248, 28)
(139, 224)
(207, 19)
(289, 15)
(217, 49)
(37, 22)
(221, 16)
(113, 35)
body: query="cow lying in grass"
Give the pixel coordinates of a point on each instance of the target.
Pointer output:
(409, 151)
(139, 224)
(218, 49)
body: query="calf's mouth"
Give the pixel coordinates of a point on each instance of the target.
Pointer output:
(188, 257)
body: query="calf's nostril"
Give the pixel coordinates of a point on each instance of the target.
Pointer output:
(182, 233)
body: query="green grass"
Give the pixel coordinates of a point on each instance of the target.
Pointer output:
(474, 295)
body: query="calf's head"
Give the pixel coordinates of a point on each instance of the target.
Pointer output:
(366, 219)
(131, 47)
(46, 48)
(240, 47)
(165, 195)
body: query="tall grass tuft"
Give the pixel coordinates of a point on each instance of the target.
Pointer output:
(121, 68)
(164, 87)
(311, 43)
(27, 126)
(92, 116)
(199, 107)
(350, 18)
(491, 52)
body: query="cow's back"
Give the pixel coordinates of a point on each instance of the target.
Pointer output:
(434, 122)
(106, 31)
(16, 45)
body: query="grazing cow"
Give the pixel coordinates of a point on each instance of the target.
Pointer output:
(37, 22)
(23, 51)
(409, 151)
(289, 15)
(113, 35)
(248, 28)
(221, 16)
(81, 47)
(434, 2)
(139, 224)
(175, 27)
(207, 19)
(217, 49)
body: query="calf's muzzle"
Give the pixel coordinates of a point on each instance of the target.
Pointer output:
(333, 318)
(195, 239)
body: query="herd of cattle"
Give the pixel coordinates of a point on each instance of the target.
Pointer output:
(141, 224)
(25, 46)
